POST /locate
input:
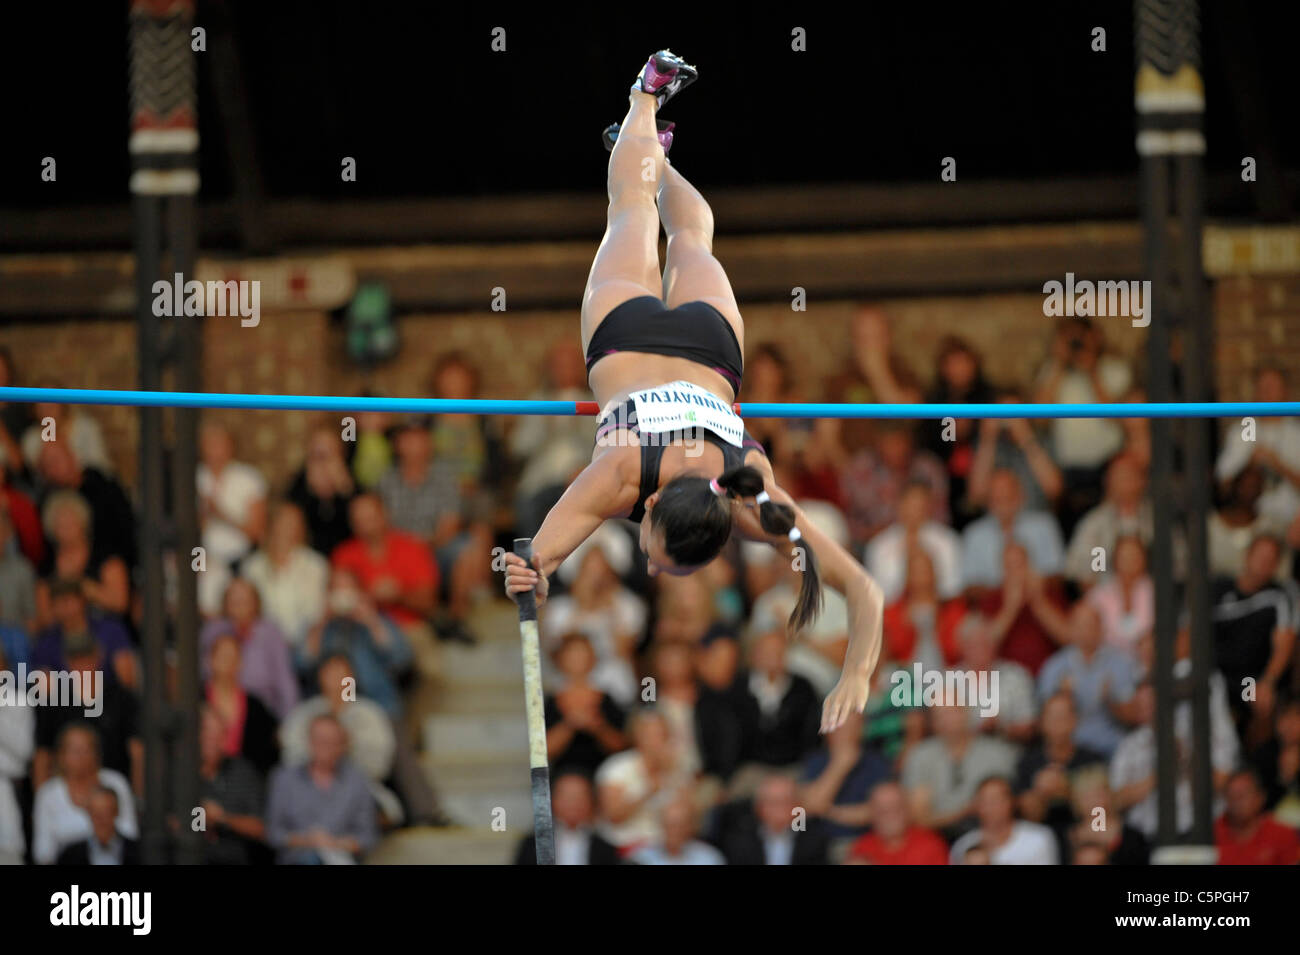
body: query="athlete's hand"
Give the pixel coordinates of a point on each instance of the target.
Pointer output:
(521, 578)
(848, 696)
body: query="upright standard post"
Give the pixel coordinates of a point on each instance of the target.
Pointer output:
(543, 826)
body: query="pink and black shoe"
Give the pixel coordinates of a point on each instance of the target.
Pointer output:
(664, 76)
(664, 135)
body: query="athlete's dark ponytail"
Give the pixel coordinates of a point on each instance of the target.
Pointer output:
(696, 522)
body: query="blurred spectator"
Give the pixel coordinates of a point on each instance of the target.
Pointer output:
(886, 555)
(1126, 511)
(1275, 449)
(1025, 612)
(551, 449)
(1255, 635)
(17, 740)
(1043, 775)
(720, 704)
(1126, 599)
(675, 692)
(14, 417)
(633, 785)
(230, 793)
(959, 379)
(321, 811)
(232, 505)
(65, 424)
(919, 627)
(576, 840)
(394, 568)
(941, 774)
(1017, 706)
(1231, 527)
(583, 725)
(59, 818)
(876, 475)
(75, 633)
(25, 521)
(374, 451)
(873, 372)
(783, 711)
(677, 844)
(837, 779)
(773, 830)
(105, 845)
(1100, 679)
(893, 839)
(250, 728)
(1101, 828)
(1079, 371)
(1008, 840)
(378, 650)
(1009, 520)
(111, 525)
(601, 608)
(74, 555)
(469, 444)
(291, 578)
(323, 489)
(1011, 444)
(17, 580)
(1278, 763)
(1247, 835)
(267, 664)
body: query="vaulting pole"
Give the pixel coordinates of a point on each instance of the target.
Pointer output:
(539, 768)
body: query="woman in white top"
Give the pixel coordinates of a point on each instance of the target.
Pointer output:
(60, 817)
(290, 577)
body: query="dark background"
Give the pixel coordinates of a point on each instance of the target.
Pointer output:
(415, 94)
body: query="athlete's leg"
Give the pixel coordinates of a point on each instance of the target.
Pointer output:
(627, 263)
(691, 273)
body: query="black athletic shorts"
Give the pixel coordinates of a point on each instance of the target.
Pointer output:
(695, 331)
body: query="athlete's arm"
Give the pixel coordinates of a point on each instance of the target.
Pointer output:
(838, 570)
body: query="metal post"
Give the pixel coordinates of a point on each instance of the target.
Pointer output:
(540, 773)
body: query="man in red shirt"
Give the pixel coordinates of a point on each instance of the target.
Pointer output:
(1245, 834)
(396, 569)
(893, 840)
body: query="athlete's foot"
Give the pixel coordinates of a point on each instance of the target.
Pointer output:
(664, 135)
(664, 76)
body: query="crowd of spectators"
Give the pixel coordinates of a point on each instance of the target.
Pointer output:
(682, 722)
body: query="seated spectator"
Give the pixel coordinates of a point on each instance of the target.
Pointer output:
(66, 424)
(1275, 449)
(1231, 527)
(1080, 371)
(1013, 685)
(941, 773)
(372, 740)
(677, 844)
(17, 740)
(17, 580)
(1133, 767)
(584, 726)
(1011, 444)
(250, 728)
(959, 379)
(886, 555)
(720, 705)
(231, 795)
(58, 817)
(1255, 635)
(73, 555)
(116, 714)
(782, 710)
(25, 519)
(1125, 511)
(874, 479)
(633, 785)
(1277, 761)
(675, 692)
(1126, 599)
(1042, 782)
(1101, 830)
(291, 578)
(920, 627)
(323, 489)
(573, 807)
(377, 648)
(14, 418)
(75, 633)
(1100, 679)
(321, 811)
(837, 779)
(1008, 520)
(1247, 835)
(1008, 840)
(1025, 612)
(105, 845)
(894, 839)
(373, 454)
(774, 831)
(112, 524)
(267, 664)
(232, 508)
(599, 606)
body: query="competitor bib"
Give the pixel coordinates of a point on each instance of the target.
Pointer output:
(680, 405)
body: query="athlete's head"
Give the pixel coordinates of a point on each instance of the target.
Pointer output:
(688, 522)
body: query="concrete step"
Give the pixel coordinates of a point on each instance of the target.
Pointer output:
(476, 737)
(489, 663)
(480, 698)
(427, 846)
(481, 809)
